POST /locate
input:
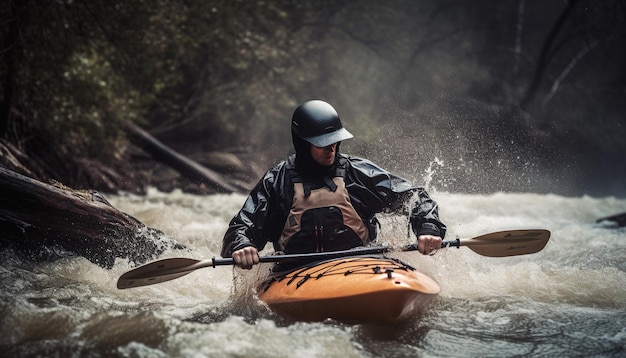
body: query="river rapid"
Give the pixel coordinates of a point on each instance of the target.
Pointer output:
(567, 300)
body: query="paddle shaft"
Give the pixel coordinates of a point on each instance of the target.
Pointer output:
(501, 238)
(311, 256)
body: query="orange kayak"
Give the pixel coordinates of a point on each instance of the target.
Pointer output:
(354, 289)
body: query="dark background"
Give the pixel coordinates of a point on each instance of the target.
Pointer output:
(466, 96)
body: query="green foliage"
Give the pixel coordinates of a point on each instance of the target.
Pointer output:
(67, 78)
(420, 79)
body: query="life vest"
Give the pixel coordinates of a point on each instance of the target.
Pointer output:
(322, 219)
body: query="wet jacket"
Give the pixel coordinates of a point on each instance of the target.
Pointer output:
(372, 190)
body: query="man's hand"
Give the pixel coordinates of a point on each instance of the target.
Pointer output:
(427, 244)
(247, 257)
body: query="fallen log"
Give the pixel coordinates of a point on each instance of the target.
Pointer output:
(185, 166)
(45, 222)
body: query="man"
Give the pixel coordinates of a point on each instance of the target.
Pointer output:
(320, 200)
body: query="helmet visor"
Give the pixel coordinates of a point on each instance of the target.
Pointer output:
(326, 139)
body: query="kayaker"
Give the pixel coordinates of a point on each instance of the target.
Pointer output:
(320, 200)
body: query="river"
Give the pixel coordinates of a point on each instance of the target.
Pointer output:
(567, 300)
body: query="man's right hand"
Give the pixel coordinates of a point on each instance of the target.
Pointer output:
(246, 257)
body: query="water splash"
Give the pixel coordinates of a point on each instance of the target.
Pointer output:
(431, 171)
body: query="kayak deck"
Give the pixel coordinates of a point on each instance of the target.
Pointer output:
(356, 289)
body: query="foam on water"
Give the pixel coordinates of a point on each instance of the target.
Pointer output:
(567, 298)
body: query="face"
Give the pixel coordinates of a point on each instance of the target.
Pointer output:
(324, 156)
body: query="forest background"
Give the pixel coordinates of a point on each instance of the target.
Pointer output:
(468, 96)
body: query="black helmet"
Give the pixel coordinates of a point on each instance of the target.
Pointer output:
(318, 123)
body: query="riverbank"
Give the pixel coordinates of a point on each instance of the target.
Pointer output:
(130, 169)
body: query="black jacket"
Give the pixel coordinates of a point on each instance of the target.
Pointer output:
(372, 190)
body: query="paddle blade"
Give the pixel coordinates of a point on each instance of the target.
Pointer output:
(160, 271)
(508, 243)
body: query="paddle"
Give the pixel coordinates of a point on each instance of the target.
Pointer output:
(496, 244)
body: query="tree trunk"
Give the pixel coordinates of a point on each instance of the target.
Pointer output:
(45, 222)
(185, 166)
(544, 55)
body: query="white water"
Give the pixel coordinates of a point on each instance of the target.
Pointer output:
(568, 300)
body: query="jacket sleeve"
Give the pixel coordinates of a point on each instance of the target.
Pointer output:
(386, 192)
(373, 189)
(425, 216)
(249, 227)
